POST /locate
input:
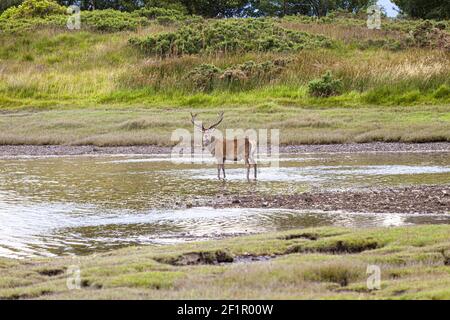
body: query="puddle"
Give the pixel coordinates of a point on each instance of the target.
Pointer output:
(79, 205)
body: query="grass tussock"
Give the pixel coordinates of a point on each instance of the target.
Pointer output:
(342, 273)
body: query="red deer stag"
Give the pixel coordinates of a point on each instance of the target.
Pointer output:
(227, 149)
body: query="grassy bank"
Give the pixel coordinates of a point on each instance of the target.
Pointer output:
(298, 125)
(324, 263)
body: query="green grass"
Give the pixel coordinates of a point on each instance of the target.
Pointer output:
(142, 125)
(413, 263)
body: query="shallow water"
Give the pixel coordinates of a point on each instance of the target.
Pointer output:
(78, 205)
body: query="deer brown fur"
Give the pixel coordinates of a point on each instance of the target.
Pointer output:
(235, 149)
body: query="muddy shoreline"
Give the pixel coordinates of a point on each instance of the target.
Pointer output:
(66, 150)
(411, 199)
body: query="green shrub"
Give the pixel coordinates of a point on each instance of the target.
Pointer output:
(98, 20)
(23, 24)
(204, 76)
(34, 9)
(256, 72)
(155, 12)
(432, 35)
(111, 20)
(229, 35)
(441, 25)
(326, 86)
(165, 16)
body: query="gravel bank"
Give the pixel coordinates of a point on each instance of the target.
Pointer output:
(417, 199)
(31, 150)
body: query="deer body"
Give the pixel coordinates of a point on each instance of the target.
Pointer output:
(234, 150)
(228, 149)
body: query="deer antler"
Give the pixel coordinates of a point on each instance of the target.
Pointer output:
(202, 127)
(218, 121)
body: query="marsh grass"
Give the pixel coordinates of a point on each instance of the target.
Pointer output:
(411, 263)
(340, 272)
(297, 125)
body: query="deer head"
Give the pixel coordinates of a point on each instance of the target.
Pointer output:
(207, 132)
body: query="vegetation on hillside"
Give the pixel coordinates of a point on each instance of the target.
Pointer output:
(229, 36)
(36, 14)
(425, 9)
(222, 8)
(164, 58)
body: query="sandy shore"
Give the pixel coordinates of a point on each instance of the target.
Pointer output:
(36, 150)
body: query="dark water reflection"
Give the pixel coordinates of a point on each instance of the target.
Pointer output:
(78, 205)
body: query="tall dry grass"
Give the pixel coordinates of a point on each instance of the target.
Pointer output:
(346, 33)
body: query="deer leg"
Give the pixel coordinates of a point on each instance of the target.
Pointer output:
(247, 164)
(251, 161)
(223, 170)
(218, 171)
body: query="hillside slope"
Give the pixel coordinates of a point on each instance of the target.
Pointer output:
(384, 85)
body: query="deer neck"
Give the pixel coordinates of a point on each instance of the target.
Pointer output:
(211, 146)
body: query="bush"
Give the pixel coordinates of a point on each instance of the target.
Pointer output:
(98, 20)
(230, 35)
(432, 35)
(260, 72)
(166, 16)
(23, 24)
(326, 86)
(206, 76)
(34, 9)
(111, 20)
(154, 12)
